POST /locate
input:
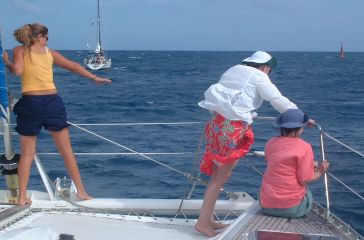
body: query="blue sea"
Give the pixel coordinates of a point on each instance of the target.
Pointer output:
(165, 87)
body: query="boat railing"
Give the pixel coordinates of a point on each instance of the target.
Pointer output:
(148, 155)
(196, 179)
(255, 153)
(322, 134)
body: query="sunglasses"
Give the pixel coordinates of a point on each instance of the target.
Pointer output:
(46, 37)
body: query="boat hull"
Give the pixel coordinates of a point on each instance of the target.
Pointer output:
(97, 65)
(41, 200)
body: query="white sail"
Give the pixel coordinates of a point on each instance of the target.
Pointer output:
(98, 48)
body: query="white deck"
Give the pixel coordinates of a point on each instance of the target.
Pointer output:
(114, 218)
(89, 226)
(95, 227)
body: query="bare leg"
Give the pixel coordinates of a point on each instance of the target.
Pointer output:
(63, 144)
(28, 146)
(219, 176)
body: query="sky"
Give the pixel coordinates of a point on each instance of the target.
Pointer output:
(201, 25)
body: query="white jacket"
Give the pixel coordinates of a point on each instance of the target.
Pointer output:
(240, 91)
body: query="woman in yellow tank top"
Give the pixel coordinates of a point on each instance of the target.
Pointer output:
(40, 105)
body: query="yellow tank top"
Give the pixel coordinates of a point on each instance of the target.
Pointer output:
(38, 72)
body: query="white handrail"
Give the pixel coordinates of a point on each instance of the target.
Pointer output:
(326, 184)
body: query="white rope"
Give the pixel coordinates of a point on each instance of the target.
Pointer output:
(132, 152)
(351, 149)
(188, 175)
(150, 123)
(136, 124)
(255, 153)
(118, 153)
(129, 149)
(157, 123)
(352, 190)
(343, 144)
(264, 118)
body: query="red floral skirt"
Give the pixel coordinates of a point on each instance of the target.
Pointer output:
(226, 142)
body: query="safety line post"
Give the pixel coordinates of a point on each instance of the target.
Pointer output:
(327, 214)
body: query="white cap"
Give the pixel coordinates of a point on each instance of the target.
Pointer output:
(261, 57)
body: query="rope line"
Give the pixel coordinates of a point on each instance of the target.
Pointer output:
(252, 166)
(343, 144)
(188, 175)
(136, 124)
(156, 123)
(147, 123)
(129, 149)
(197, 179)
(116, 153)
(352, 190)
(195, 166)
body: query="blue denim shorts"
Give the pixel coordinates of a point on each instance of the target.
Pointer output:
(35, 111)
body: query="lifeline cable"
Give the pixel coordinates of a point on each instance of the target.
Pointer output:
(188, 175)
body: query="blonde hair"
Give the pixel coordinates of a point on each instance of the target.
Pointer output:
(28, 33)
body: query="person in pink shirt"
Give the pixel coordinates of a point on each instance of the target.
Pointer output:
(290, 167)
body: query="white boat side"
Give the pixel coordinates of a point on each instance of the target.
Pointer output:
(92, 63)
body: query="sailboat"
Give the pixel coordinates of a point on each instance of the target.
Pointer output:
(57, 213)
(97, 59)
(342, 54)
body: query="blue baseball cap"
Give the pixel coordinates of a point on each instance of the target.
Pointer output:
(292, 118)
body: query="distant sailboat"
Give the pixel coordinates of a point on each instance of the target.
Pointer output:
(342, 54)
(97, 59)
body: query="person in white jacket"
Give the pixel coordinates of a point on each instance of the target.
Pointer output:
(233, 101)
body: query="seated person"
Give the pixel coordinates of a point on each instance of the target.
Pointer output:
(290, 167)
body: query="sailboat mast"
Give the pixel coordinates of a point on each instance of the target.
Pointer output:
(98, 23)
(9, 159)
(4, 107)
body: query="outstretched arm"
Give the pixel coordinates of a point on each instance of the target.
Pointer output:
(76, 68)
(269, 92)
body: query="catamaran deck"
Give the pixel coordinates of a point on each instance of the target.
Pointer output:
(313, 223)
(95, 226)
(91, 226)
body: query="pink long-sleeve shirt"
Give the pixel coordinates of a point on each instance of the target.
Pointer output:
(290, 162)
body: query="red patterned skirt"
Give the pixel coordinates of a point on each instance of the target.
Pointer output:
(226, 142)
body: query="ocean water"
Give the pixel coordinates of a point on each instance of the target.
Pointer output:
(165, 87)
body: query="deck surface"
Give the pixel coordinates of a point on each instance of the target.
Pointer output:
(312, 223)
(90, 226)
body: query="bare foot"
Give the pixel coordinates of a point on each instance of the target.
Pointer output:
(205, 229)
(218, 225)
(24, 201)
(83, 196)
